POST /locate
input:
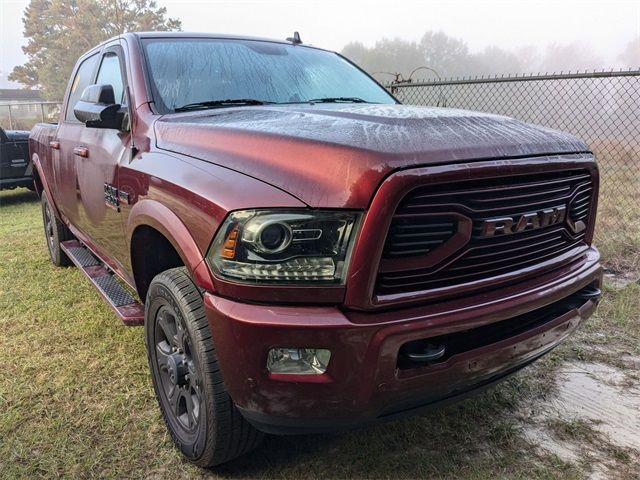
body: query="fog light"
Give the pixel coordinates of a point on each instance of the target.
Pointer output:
(301, 361)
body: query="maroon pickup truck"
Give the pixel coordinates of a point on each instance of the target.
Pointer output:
(306, 253)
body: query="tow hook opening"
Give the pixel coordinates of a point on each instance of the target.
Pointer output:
(421, 352)
(590, 292)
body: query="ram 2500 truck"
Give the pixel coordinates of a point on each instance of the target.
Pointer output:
(305, 252)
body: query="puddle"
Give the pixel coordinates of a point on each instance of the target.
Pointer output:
(595, 393)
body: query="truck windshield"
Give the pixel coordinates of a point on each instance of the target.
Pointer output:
(214, 73)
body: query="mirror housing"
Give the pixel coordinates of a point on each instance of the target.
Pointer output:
(97, 108)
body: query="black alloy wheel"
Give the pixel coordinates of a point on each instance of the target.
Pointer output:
(179, 378)
(199, 413)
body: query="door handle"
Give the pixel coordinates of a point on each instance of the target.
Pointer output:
(81, 152)
(55, 145)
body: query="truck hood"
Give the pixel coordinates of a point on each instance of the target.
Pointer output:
(336, 155)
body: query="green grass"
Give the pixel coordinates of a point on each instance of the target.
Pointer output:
(611, 336)
(76, 399)
(618, 224)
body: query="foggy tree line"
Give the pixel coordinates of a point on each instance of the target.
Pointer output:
(451, 57)
(596, 109)
(58, 31)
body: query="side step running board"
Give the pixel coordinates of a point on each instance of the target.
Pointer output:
(130, 311)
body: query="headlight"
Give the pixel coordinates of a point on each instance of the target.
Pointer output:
(284, 246)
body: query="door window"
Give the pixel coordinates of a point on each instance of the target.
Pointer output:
(110, 74)
(83, 78)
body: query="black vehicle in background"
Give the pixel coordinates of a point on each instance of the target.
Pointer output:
(15, 165)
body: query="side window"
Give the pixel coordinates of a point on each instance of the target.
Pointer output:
(83, 78)
(110, 74)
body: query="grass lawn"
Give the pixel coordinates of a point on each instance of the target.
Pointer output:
(618, 225)
(76, 398)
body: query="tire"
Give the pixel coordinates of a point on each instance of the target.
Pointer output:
(199, 413)
(54, 232)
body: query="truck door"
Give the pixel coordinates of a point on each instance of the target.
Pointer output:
(67, 137)
(99, 154)
(96, 154)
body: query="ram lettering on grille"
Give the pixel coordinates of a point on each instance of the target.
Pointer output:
(527, 221)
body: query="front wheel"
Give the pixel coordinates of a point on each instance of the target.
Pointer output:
(199, 413)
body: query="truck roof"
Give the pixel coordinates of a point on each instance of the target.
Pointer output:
(224, 36)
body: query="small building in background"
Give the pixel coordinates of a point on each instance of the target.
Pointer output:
(19, 95)
(21, 108)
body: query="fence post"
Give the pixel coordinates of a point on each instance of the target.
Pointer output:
(10, 118)
(42, 112)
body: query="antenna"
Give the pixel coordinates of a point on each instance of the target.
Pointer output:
(295, 39)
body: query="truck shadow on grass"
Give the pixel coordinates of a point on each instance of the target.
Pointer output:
(477, 437)
(18, 197)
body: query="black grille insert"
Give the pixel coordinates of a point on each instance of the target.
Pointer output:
(464, 341)
(409, 235)
(423, 212)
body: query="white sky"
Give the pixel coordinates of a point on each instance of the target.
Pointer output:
(603, 26)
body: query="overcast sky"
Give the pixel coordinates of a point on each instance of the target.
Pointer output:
(604, 26)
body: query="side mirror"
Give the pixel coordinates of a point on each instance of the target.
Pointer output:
(97, 108)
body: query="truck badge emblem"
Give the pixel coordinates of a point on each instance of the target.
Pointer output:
(527, 221)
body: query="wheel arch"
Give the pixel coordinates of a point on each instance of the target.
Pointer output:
(158, 239)
(40, 182)
(37, 182)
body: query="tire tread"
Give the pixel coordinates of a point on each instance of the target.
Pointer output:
(60, 233)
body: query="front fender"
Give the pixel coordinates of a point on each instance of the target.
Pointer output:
(151, 213)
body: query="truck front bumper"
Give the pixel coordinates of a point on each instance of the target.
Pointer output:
(488, 336)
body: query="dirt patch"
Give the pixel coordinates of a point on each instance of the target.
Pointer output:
(603, 395)
(592, 419)
(621, 279)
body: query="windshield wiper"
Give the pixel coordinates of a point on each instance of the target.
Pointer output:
(337, 100)
(220, 103)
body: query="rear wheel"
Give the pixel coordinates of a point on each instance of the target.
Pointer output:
(55, 232)
(199, 413)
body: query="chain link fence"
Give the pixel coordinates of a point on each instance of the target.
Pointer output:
(602, 108)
